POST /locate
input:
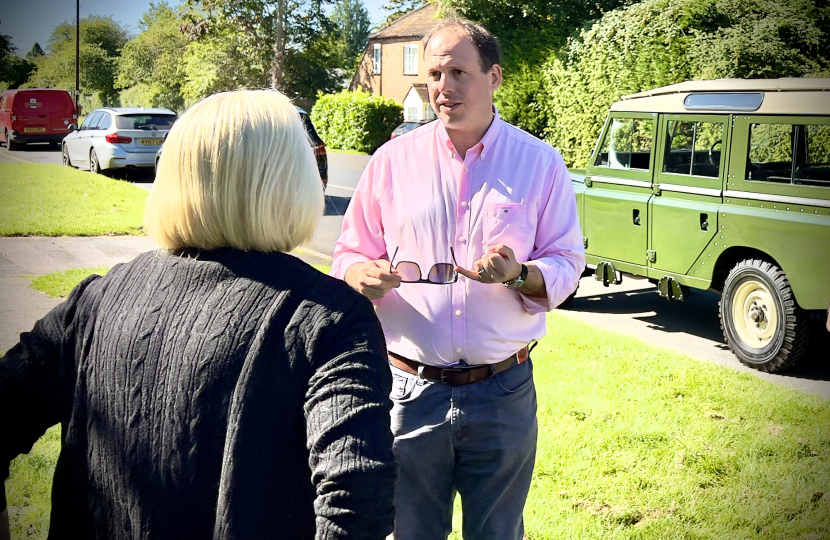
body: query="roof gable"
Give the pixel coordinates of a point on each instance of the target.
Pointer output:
(415, 24)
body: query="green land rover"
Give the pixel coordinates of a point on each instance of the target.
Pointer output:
(721, 185)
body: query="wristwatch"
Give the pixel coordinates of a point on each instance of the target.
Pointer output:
(517, 282)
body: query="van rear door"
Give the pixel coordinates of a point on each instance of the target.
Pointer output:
(32, 114)
(61, 111)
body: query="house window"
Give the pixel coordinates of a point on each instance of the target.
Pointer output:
(412, 114)
(410, 59)
(376, 59)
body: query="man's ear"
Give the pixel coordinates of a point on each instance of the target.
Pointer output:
(495, 77)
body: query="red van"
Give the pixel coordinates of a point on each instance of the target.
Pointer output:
(30, 115)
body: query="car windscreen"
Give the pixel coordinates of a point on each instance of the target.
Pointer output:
(145, 121)
(309, 127)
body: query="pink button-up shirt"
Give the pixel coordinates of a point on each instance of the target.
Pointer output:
(418, 196)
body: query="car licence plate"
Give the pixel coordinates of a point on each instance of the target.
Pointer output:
(150, 142)
(34, 130)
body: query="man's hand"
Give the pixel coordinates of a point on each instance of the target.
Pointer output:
(496, 266)
(373, 279)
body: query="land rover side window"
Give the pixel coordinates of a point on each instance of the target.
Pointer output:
(770, 153)
(813, 165)
(627, 144)
(693, 148)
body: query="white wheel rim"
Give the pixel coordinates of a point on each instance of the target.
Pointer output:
(754, 314)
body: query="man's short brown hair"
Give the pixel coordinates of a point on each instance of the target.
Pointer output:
(489, 51)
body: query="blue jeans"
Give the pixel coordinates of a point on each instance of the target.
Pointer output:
(478, 440)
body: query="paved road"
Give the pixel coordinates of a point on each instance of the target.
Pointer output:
(631, 308)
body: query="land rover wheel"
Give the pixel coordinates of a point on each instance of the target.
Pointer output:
(760, 320)
(65, 155)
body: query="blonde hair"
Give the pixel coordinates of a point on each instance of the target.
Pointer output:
(237, 171)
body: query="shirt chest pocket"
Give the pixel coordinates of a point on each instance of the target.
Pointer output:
(508, 224)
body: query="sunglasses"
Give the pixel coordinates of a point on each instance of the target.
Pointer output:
(439, 274)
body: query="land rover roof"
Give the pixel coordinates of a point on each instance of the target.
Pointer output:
(789, 96)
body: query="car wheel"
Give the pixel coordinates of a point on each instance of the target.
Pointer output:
(761, 322)
(11, 145)
(65, 156)
(94, 166)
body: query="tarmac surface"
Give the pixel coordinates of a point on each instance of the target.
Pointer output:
(23, 258)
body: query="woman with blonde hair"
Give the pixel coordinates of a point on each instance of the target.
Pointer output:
(218, 388)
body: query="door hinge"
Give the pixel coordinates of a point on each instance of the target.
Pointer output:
(651, 255)
(585, 242)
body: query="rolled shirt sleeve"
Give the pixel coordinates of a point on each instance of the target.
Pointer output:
(558, 250)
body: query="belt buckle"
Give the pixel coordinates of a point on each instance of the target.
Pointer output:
(453, 370)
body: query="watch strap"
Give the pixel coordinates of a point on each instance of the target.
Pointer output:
(517, 282)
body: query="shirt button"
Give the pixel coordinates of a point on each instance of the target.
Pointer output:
(458, 350)
(463, 203)
(466, 169)
(462, 240)
(457, 312)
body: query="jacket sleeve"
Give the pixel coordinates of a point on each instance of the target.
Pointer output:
(37, 380)
(348, 428)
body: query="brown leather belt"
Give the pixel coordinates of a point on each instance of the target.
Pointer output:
(456, 376)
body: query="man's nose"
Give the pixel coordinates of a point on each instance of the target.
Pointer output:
(444, 85)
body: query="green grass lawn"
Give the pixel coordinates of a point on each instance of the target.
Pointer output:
(341, 151)
(52, 200)
(635, 442)
(60, 284)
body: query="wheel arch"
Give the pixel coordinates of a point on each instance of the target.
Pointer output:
(732, 256)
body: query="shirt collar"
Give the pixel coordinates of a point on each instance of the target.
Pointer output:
(482, 148)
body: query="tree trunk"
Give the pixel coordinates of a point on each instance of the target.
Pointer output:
(277, 62)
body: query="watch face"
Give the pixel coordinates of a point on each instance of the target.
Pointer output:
(516, 284)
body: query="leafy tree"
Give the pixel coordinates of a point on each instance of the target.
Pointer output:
(151, 65)
(264, 42)
(682, 40)
(101, 43)
(529, 31)
(35, 52)
(17, 71)
(399, 8)
(14, 70)
(352, 24)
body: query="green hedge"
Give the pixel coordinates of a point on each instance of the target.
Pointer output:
(355, 120)
(659, 42)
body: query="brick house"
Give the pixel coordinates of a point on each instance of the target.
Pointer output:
(392, 64)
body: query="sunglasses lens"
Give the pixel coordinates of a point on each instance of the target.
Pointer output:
(442, 273)
(408, 271)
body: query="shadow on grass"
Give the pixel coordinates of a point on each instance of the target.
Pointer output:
(697, 316)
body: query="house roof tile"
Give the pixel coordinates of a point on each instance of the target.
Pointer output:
(414, 24)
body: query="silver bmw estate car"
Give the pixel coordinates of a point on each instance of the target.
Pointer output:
(116, 138)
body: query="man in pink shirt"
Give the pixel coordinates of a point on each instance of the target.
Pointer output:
(465, 233)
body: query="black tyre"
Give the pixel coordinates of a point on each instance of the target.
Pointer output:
(65, 156)
(94, 166)
(11, 145)
(761, 322)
